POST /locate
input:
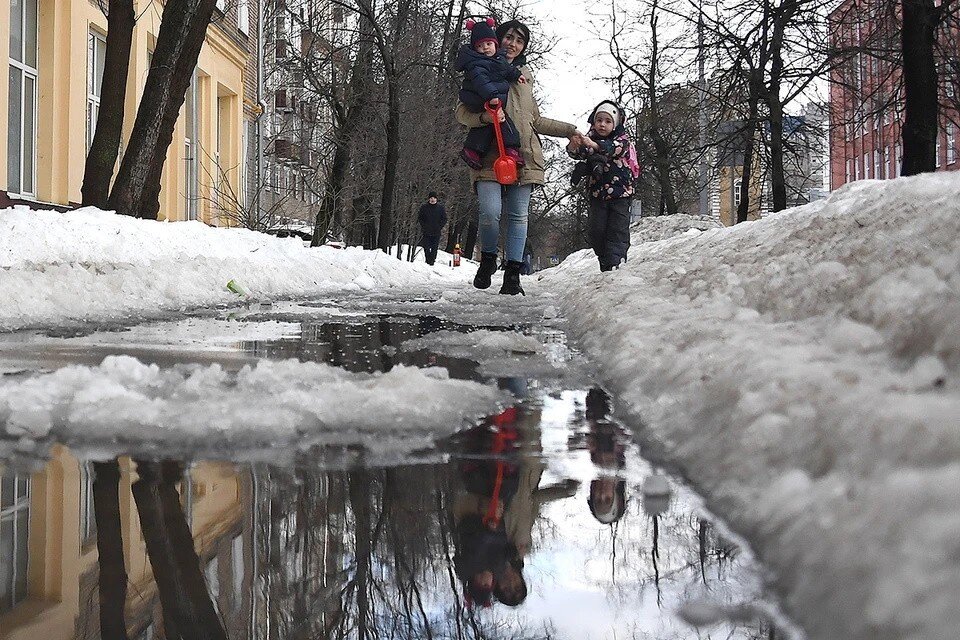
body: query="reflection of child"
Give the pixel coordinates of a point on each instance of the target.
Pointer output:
(487, 76)
(607, 500)
(610, 160)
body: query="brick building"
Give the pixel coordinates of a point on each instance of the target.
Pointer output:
(866, 97)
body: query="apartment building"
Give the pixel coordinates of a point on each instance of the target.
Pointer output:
(51, 98)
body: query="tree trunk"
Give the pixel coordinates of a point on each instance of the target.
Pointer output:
(755, 88)
(182, 31)
(663, 170)
(353, 105)
(470, 242)
(105, 146)
(113, 574)
(385, 233)
(920, 128)
(176, 567)
(778, 182)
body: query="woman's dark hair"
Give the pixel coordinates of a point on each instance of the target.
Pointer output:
(521, 28)
(512, 597)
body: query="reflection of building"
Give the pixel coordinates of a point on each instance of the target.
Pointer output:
(52, 570)
(866, 99)
(51, 95)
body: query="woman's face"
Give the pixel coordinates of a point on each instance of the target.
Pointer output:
(512, 44)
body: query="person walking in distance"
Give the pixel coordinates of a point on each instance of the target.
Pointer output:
(432, 218)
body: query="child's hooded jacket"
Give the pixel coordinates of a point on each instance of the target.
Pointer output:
(619, 158)
(484, 78)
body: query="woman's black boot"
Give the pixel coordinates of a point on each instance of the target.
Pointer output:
(488, 266)
(511, 279)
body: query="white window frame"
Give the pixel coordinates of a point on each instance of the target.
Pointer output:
(94, 88)
(25, 71)
(866, 166)
(876, 164)
(243, 17)
(951, 143)
(897, 158)
(11, 515)
(938, 148)
(887, 173)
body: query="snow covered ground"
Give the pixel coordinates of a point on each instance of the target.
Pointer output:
(94, 265)
(802, 371)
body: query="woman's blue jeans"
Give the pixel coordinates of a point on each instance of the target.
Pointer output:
(514, 200)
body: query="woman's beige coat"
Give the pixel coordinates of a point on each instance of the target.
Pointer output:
(523, 111)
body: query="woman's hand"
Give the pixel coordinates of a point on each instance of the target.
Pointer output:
(485, 116)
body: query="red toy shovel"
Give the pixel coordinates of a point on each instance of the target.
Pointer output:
(504, 167)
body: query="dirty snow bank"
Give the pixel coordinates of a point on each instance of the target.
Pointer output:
(278, 405)
(95, 265)
(803, 371)
(653, 228)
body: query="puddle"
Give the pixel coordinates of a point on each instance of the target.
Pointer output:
(543, 520)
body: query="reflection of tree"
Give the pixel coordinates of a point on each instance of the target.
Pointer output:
(188, 611)
(113, 574)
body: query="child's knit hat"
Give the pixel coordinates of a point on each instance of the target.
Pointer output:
(482, 31)
(611, 109)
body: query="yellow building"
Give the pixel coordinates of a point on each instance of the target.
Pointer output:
(48, 551)
(727, 183)
(50, 99)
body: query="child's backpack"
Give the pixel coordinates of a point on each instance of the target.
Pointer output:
(632, 161)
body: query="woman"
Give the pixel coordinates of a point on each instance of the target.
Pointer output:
(514, 36)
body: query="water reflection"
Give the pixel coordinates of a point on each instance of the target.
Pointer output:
(527, 531)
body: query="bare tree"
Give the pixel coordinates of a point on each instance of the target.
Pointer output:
(104, 149)
(136, 191)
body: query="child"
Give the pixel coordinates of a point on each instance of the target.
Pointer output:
(611, 162)
(487, 76)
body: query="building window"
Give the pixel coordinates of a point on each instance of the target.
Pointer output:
(886, 163)
(856, 169)
(96, 50)
(88, 520)
(876, 164)
(22, 99)
(866, 166)
(849, 173)
(951, 143)
(14, 530)
(938, 149)
(898, 158)
(243, 16)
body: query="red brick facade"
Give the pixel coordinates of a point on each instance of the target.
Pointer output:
(866, 102)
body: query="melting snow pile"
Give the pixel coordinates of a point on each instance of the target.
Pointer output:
(803, 370)
(653, 228)
(95, 265)
(282, 405)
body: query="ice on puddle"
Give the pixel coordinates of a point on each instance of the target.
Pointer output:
(285, 403)
(475, 343)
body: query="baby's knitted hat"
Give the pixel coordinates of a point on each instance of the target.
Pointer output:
(482, 31)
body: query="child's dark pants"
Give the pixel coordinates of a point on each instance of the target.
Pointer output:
(609, 231)
(481, 138)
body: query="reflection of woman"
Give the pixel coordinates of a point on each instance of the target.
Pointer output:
(521, 106)
(486, 560)
(607, 500)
